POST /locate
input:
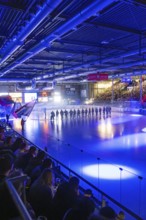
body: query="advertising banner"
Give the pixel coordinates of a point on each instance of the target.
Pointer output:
(97, 76)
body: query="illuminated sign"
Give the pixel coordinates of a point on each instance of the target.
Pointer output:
(28, 97)
(97, 76)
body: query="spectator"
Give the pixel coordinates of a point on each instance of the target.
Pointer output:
(36, 172)
(41, 194)
(23, 161)
(6, 162)
(120, 216)
(7, 208)
(95, 217)
(66, 197)
(107, 213)
(35, 161)
(83, 209)
(2, 136)
(22, 150)
(8, 141)
(17, 144)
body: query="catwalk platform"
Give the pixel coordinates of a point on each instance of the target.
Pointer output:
(109, 151)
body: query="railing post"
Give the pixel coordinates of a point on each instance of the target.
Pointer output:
(139, 195)
(98, 183)
(121, 169)
(112, 90)
(141, 88)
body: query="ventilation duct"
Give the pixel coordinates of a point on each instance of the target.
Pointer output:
(15, 80)
(17, 41)
(26, 86)
(108, 68)
(50, 87)
(91, 10)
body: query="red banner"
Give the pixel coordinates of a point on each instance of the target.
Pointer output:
(6, 100)
(97, 76)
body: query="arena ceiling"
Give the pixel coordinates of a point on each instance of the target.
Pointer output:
(65, 40)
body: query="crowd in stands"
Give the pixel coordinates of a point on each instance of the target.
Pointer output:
(56, 200)
(122, 92)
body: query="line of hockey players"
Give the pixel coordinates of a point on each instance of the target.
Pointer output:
(84, 112)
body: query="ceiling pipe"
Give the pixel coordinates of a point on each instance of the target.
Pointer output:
(23, 80)
(119, 75)
(30, 86)
(127, 74)
(108, 68)
(52, 87)
(91, 10)
(126, 65)
(17, 41)
(15, 80)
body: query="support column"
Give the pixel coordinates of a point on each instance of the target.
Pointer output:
(87, 90)
(141, 89)
(23, 98)
(112, 90)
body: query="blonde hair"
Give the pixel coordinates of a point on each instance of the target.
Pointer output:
(46, 177)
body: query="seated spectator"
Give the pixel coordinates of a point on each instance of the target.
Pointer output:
(5, 147)
(17, 184)
(88, 193)
(35, 161)
(83, 209)
(66, 197)
(2, 129)
(36, 172)
(6, 162)
(95, 217)
(1, 139)
(107, 213)
(23, 161)
(22, 150)
(73, 214)
(7, 208)
(7, 152)
(17, 144)
(8, 141)
(41, 194)
(120, 216)
(87, 204)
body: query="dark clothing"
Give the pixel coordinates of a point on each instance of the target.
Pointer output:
(8, 209)
(22, 123)
(17, 144)
(7, 118)
(34, 162)
(36, 172)
(40, 197)
(23, 161)
(65, 198)
(84, 208)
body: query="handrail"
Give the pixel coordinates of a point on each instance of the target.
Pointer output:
(131, 213)
(19, 178)
(17, 200)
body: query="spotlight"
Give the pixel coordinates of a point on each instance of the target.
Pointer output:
(108, 171)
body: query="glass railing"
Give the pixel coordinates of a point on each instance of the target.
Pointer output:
(94, 172)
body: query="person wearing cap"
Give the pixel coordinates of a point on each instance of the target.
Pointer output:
(107, 213)
(120, 216)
